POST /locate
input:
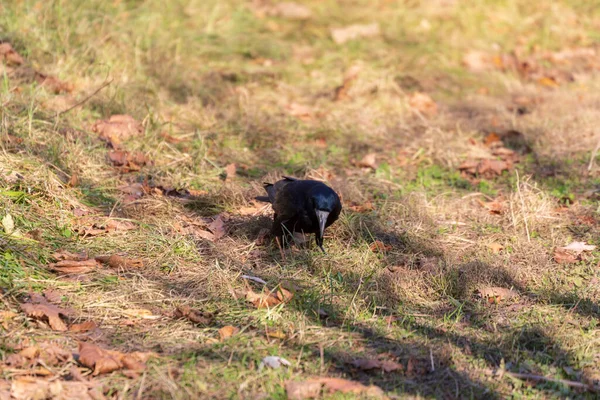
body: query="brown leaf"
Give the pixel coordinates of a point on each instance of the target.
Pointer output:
(73, 267)
(562, 256)
(269, 299)
(100, 360)
(66, 255)
(368, 161)
(379, 246)
(346, 386)
(217, 227)
(47, 312)
(357, 31)
(196, 316)
(9, 56)
(119, 262)
(495, 207)
(53, 296)
(299, 390)
(492, 166)
(491, 139)
(117, 128)
(228, 331)
(367, 364)
(496, 294)
(230, 171)
(53, 83)
(422, 103)
(83, 327)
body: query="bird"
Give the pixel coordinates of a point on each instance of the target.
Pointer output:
(302, 205)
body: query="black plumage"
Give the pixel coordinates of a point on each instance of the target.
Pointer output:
(302, 206)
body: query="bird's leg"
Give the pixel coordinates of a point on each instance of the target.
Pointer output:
(319, 241)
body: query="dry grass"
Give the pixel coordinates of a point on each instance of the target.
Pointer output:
(258, 91)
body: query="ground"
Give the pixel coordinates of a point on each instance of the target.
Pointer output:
(462, 137)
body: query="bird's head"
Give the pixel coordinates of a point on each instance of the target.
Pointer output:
(324, 202)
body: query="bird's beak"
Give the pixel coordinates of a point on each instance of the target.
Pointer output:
(322, 217)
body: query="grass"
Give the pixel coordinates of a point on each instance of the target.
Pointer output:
(228, 81)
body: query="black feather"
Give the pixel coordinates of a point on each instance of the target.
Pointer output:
(297, 204)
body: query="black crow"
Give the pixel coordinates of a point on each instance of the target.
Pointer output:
(302, 206)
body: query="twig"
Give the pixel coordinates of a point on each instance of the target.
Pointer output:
(593, 157)
(105, 84)
(576, 384)
(431, 358)
(523, 207)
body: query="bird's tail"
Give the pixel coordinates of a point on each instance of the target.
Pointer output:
(270, 198)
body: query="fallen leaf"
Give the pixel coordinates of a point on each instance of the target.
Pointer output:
(196, 316)
(104, 361)
(46, 312)
(379, 246)
(273, 362)
(83, 327)
(230, 171)
(128, 161)
(578, 247)
(367, 364)
(422, 103)
(357, 31)
(491, 139)
(228, 331)
(9, 56)
(494, 166)
(495, 247)
(100, 360)
(8, 224)
(67, 255)
(496, 294)
(269, 299)
(495, 207)
(117, 128)
(564, 257)
(53, 296)
(119, 262)
(217, 227)
(346, 386)
(299, 390)
(54, 84)
(276, 334)
(73, 267)
(368, 161)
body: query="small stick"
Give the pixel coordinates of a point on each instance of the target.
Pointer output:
(576, 384)
(105, 84)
